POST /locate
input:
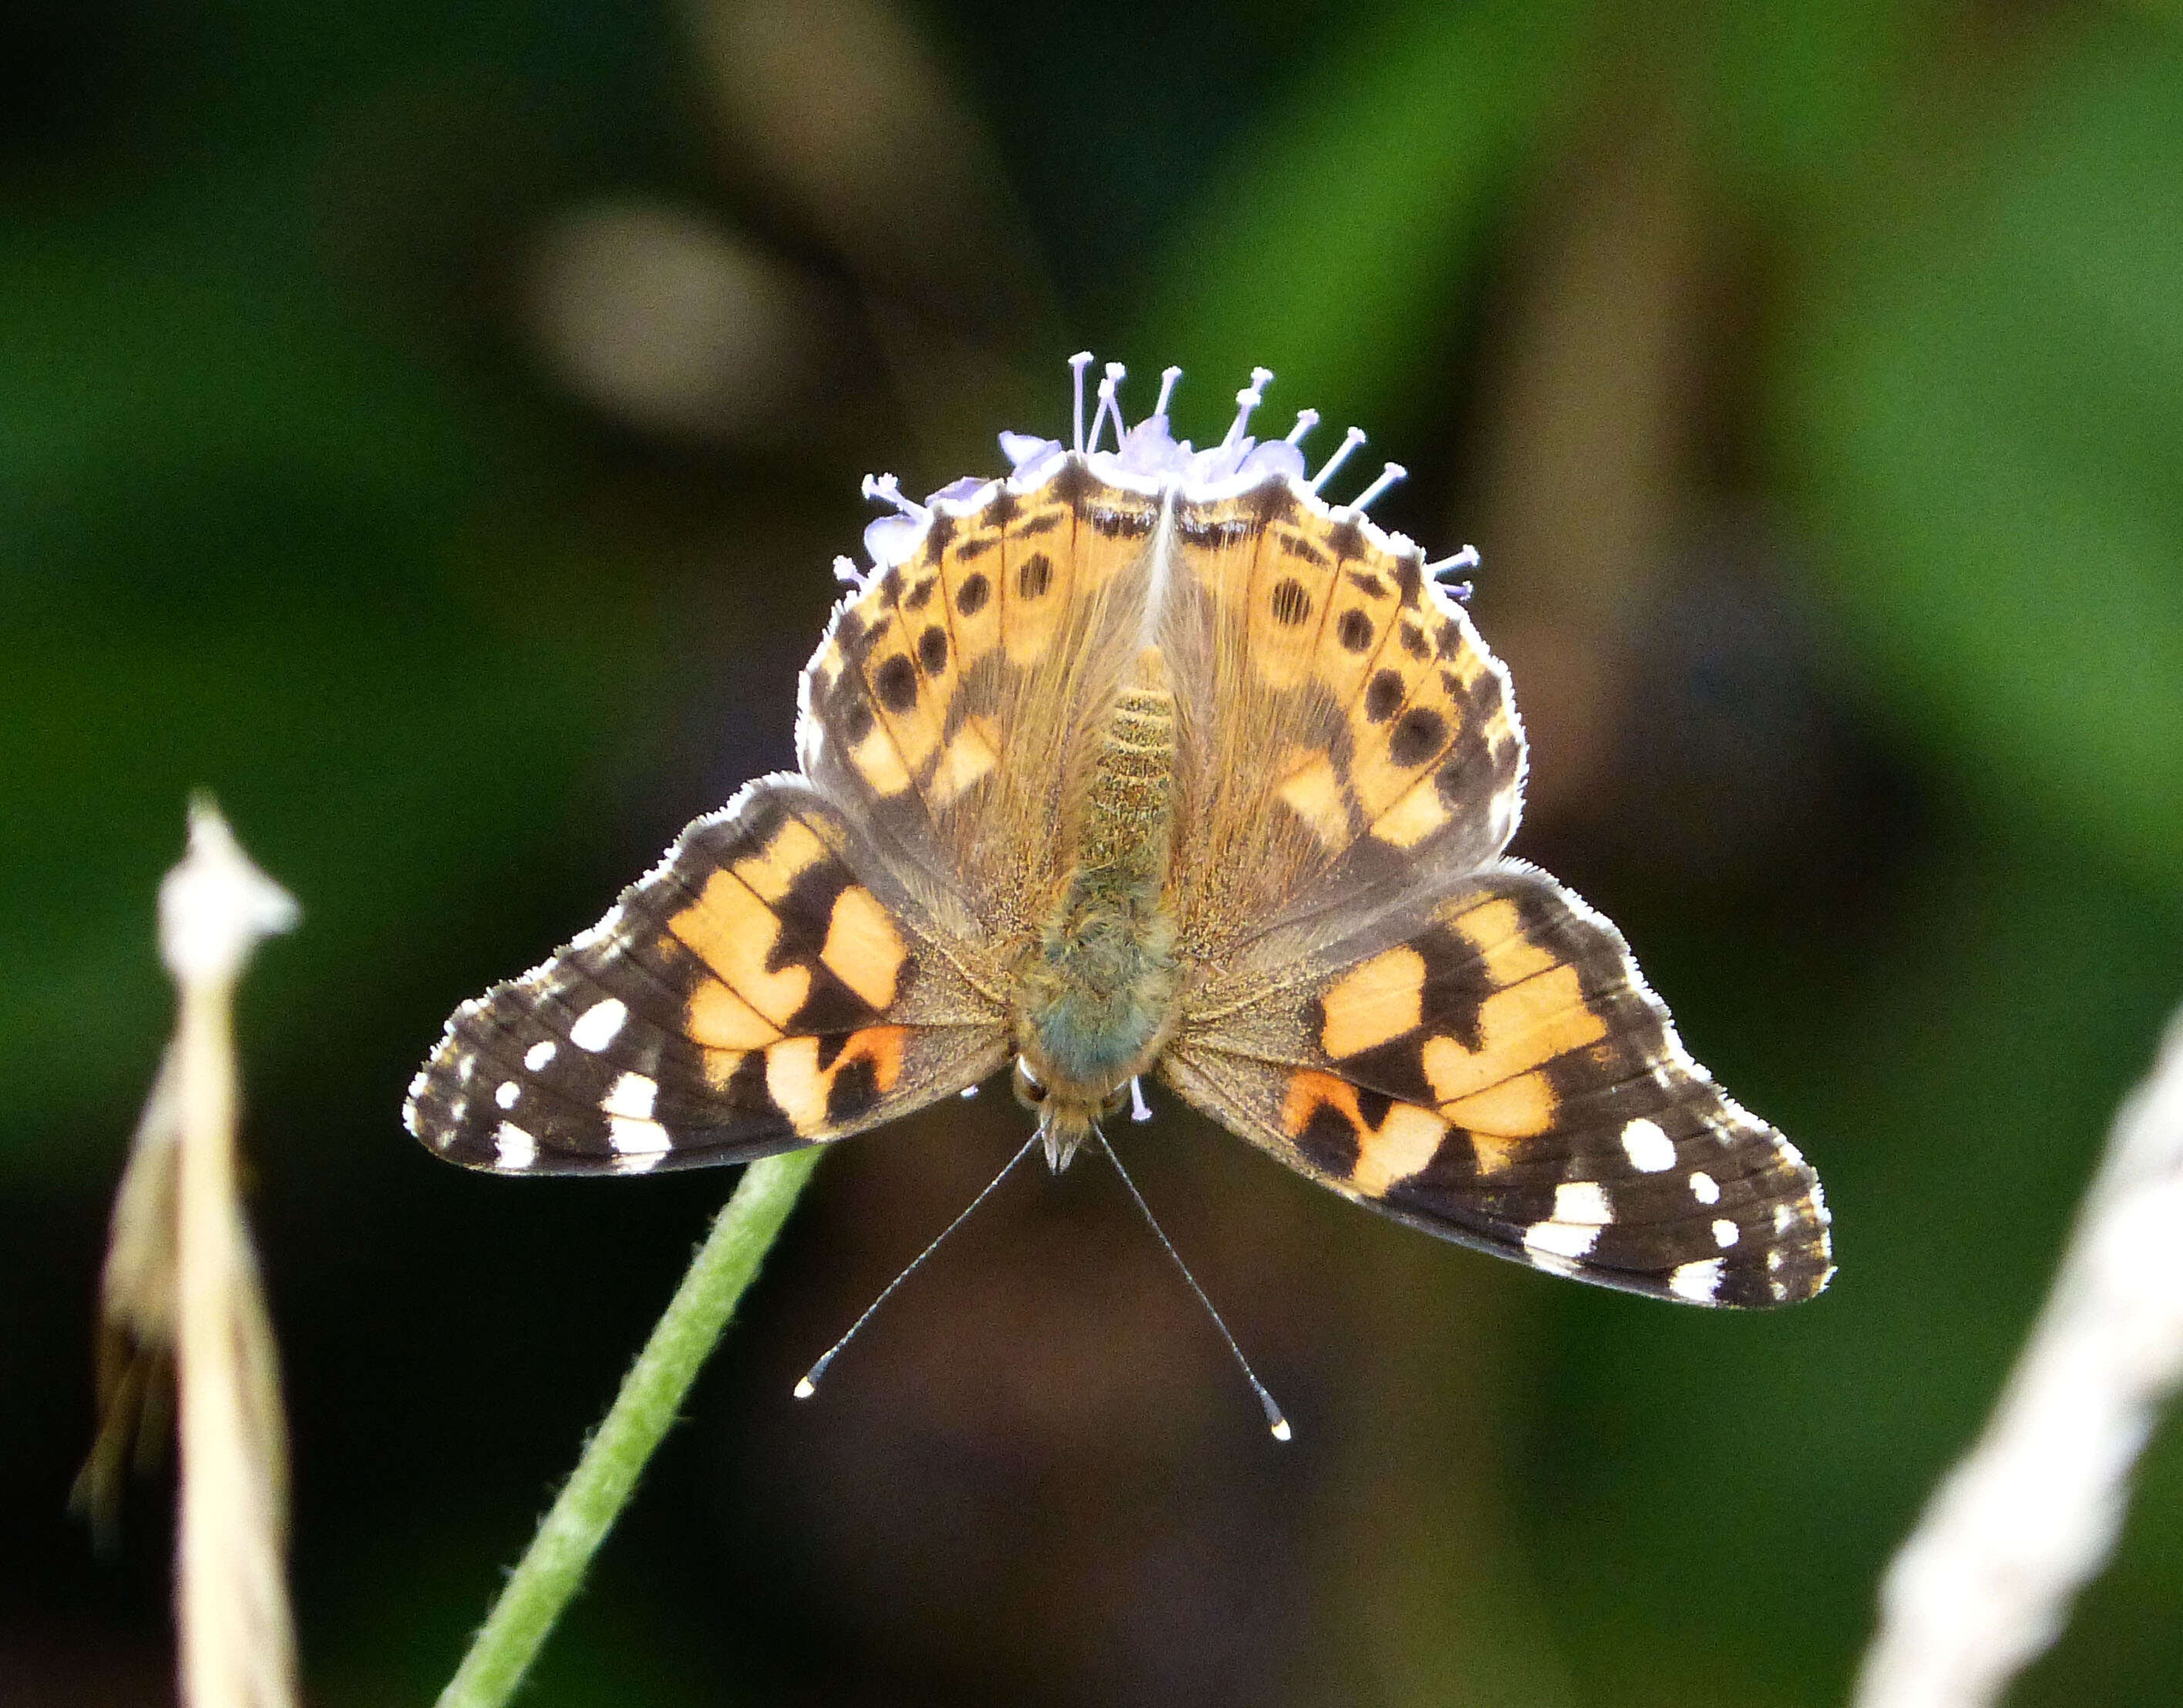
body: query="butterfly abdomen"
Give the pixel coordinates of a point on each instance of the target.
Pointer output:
(1101, 982)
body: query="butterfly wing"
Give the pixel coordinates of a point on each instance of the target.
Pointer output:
(1349, 733)
(1489, 1066)
(770, 984)
(830, 952)
(952, 705)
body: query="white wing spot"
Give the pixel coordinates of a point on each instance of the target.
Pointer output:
(1695, 1282)
(1726, 1233)
(1784, 1218)
(507, 1093)
(599, 1025)
(631, 1128)
(1650, 1150)
(456, 1110)
(633, 1094)
(1560, 1239)
(515, 1148)
(634, 1139)
(1704, 1188)
(464, 1068)
(538, 1054)
(1582, 1202)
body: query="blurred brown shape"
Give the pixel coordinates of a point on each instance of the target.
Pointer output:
(837, 112)
(674, 325)
(1588, 428)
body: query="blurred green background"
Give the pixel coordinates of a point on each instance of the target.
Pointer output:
(429, 426)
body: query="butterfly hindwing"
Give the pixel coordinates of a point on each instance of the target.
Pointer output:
(1499, 1073)
(765, 986)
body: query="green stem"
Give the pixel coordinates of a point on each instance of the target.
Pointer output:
(651, 1395)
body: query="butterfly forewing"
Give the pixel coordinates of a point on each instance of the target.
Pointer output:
(953, 697)
(1501, 1075)
(1356, 734)
(767, 985)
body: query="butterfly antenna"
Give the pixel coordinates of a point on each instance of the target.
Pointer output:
(809, 1384)
(1275, 1421)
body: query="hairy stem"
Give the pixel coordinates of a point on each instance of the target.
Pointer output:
(651, 1395)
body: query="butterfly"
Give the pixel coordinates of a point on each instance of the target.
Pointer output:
(1149, 761)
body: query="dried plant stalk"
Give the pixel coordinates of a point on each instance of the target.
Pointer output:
(181, 1283)
(1984, 1583)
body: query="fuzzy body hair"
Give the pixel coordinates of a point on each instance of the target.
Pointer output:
(1098, 987)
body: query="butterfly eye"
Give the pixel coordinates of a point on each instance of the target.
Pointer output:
(1028, 1092)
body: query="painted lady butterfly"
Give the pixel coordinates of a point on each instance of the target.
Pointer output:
(1142, 761)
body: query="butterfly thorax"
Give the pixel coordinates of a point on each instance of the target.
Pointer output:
(1097, 988)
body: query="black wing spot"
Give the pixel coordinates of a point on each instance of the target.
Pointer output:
(1354, 630)
(1291, 604)
(1329, 1141)
(1034, 575)
(855, 1088)
(856, 718)
(1418, 737)
(1297, 546)
(896, 684)
(970, 597)
(1271, 501)
(1346, 539)
(932, 651)
(1467, 779)
(1075, 483)
(1384, 695)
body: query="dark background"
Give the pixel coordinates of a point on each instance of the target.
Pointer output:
(428, 426)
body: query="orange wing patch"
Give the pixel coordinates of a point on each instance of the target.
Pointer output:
(753, 993)
(1367, 1148)
(812, 1083)
(1501, 1076)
